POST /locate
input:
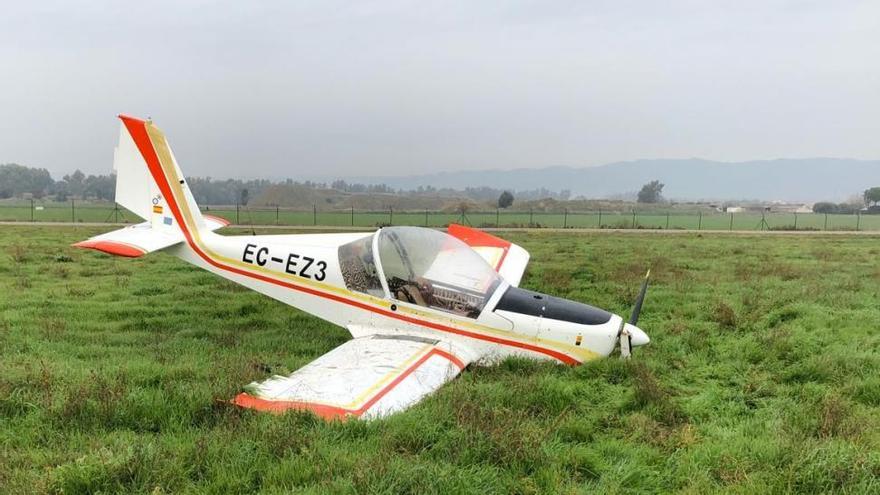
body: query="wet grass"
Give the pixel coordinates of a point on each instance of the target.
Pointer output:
(762, 377)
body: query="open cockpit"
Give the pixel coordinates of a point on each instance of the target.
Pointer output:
(419, 266)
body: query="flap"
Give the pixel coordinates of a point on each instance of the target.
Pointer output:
(508, 259)
(367, 377)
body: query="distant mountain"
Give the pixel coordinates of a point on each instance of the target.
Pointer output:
(810, 179)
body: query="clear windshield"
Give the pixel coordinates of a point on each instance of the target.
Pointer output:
(436, 270)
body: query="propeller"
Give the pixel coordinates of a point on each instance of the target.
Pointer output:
(628, 330)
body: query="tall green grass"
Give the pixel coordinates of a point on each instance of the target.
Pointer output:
(762, 377)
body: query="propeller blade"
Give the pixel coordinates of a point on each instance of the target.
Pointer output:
(637, 309)
(624, 334)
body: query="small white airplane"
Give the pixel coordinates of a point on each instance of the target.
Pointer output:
(420, 304)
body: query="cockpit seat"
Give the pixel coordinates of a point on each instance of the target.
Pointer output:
(411, 294)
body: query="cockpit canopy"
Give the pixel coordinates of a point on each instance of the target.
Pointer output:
(421, 266)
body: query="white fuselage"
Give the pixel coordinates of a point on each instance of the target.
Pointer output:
(432, 283)
(303, 271)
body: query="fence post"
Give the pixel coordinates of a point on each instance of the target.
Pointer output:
(731, 223)
(530, 217)
(667, 220)
(352, 216)
(390, 215)
(700, 222)
(73, 210)
(600, 220)
(276, 214)
(795, 220)
(32, 210)
(497, 214)
(634, 219)
(565, 218)
(115, 212)
(315, 214)
(236, 214)
(426, 217)
(826, 222)
(858, 220)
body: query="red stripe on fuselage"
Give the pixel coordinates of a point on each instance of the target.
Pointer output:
(137, 129)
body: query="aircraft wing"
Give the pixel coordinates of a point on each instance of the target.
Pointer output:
(366, 377)
(508, 259)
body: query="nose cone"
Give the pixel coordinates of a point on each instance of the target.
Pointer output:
(637, 336)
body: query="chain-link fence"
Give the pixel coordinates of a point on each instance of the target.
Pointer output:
(102, 212)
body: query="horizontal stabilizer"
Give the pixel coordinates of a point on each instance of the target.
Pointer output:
(137, 240)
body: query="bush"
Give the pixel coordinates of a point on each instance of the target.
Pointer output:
(724, 316)
(839, 208)
(824, 207)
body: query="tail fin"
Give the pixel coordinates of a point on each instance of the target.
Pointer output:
(149, 182)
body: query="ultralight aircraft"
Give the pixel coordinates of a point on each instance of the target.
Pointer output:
(420, 304)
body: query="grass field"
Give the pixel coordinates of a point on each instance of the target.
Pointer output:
(762, 377)
(104, 212)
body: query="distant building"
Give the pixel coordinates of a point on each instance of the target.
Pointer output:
(775, 207)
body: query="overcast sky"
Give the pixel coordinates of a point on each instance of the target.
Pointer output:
(287, 89)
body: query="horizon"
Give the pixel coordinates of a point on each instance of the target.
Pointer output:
(806, 180)
(330, 178)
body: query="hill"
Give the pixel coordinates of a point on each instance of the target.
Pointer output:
(810, 179)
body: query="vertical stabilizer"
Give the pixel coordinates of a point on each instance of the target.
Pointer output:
(147, 176)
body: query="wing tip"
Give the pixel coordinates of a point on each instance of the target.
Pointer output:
(222, 221)
(112, 247)
(476, 237)
(248, 401)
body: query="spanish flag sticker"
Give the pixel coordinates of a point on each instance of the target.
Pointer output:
(157, 209)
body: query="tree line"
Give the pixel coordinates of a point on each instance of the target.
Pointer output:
(18, 181)
(870, 199)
